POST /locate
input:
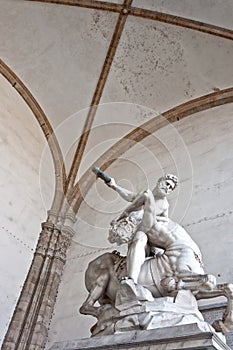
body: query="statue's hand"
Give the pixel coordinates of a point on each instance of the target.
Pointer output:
(112, 183)
(118, 218)
(122, 216)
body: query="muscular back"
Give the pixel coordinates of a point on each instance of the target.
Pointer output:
(167, 235)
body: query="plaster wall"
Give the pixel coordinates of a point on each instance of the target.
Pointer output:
(58, 52)
(198, 150)
(22, 207)
(208, 11)
(161, 66)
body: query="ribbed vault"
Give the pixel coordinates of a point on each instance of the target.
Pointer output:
(69, 193)
(124, 10)
(175, 114)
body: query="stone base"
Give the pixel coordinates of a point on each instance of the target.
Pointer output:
(136, 310)
(186, 337)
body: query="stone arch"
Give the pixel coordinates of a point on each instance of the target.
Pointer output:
(179, 112)
(59, 167)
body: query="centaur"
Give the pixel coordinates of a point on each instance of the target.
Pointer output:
(177, 265)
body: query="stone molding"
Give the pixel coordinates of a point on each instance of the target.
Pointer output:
(192, 336)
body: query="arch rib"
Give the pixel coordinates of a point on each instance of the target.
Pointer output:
(148, 14)
(128, 141)
(59, 167)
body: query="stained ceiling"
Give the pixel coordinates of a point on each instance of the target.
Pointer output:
(98, 77)
(65, 57)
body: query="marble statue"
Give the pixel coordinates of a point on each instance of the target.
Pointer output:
(161, 277)
(181, 254)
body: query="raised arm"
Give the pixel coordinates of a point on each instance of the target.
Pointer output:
(136, 204)
(129, 196)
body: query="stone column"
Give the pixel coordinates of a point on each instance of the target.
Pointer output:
(29, 325)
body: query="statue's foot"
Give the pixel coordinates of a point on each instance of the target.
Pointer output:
(125, 295)
(131, 294)
(137, 290)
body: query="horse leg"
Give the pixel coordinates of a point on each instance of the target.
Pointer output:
(189, 281)
(95, 294)
(226, 290)
(196, 282)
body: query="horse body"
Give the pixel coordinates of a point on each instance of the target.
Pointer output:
(103, 278)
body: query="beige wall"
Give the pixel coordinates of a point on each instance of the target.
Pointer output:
(22, 202)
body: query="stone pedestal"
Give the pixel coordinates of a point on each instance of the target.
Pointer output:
(190, 337)
(136, 309)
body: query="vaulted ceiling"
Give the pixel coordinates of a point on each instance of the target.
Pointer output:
(99, 77)
(67, 56)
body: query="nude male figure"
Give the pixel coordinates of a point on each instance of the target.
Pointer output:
(156, 229)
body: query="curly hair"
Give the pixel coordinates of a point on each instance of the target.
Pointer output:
(171, 177)
(122, 231)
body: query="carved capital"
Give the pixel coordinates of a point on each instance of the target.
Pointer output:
(44, 239)
(54, 241)
(47, 240)
(63, 243)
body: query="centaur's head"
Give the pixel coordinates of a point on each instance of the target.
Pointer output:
(122, 231)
